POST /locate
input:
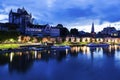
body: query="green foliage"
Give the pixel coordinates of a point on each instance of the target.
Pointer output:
(7, 46)
(63, 44)
(83, 43)
(74, 31)
(63, 30)
(10, 36)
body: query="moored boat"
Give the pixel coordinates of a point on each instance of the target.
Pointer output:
(60, 47)
(97, 45)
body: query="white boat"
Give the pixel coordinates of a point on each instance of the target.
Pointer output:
(60, 47)
(97, 45)
(35, 48)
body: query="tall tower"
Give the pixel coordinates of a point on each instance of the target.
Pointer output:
(92, 29)
(11, 16)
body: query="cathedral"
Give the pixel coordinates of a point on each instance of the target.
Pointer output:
(21, 18)
(22, 22)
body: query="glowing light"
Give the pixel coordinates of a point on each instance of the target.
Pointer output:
(35, 54)
(72, 39)
(83, 39)
(66, 51)
(78, 40)
(20, 53)
(39, 56)
(48, 52)
(11, 56)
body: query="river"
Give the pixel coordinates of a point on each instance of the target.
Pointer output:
(78, 63)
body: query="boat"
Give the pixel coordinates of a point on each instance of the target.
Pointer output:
(35, 48)
(60, 47)
(97, 45)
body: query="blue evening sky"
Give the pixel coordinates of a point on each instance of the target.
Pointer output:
(71, 13)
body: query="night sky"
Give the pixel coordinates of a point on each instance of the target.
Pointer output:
(71, 13)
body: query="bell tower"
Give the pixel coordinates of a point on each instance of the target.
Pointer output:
(92, 29)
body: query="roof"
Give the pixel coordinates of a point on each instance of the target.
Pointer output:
(19, 12)
(36, 26)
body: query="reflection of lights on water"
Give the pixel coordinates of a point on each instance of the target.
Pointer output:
(66, 51)
(20, 53)
(45, 50)
(76, 49)
(48, 52)
(27, 52)
(115, 47)
(98, 53)
(109, 48)
(11, 56)
(35, 54)
(6, 54)
(85, 50)
(88, 50)
(99, 49)
(39, 56)
(54, 53)
(117, 55)
(67, 57)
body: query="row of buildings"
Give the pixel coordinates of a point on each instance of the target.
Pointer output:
(22, 22)
(77, 40)
(106, 32)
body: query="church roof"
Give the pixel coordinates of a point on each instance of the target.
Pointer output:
(19, 12)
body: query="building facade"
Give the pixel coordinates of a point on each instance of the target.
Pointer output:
(110, 31)
(22, 21)
(42, 30)
(22, 18)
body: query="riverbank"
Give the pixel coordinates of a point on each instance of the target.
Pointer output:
(72, 44)
(7, 46)
(17, 45)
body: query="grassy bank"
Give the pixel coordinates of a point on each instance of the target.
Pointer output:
(7, 46)
(71, 44)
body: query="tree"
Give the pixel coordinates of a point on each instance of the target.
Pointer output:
(63, 30)
(59, 26)
(74, 32)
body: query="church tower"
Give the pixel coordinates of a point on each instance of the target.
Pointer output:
(92, 29)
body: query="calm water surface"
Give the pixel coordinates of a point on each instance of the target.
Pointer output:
(78, 63)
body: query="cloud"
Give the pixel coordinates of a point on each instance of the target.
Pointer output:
(3, 18)
(72, 13)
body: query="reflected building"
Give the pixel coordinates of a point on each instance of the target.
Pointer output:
(23, 61)
(109, 51)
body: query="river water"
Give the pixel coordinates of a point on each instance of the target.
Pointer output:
(78, 63)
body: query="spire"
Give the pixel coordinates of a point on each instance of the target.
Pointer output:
(10, 10)
(23, 9)
(92, 29)
(30, 15)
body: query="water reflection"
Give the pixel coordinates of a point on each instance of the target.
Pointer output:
(20, 63)
(23, 61)
(95, 52)
(11, 56)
